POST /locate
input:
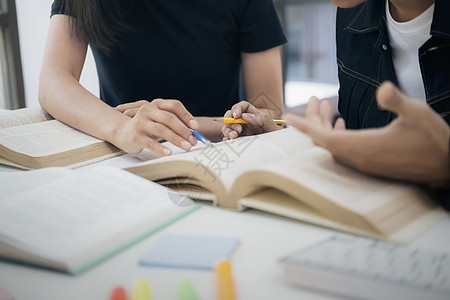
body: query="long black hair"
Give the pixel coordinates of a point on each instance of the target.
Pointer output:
(100, 22)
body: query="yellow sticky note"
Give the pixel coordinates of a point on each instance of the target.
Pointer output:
(141, 290)
(225, 281)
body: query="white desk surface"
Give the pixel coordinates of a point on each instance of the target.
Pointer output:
(257, 275)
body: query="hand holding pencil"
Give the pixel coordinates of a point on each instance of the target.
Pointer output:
(245, 119)
(242, 121)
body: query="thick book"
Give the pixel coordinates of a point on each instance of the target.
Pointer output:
(71, 220)
(284, 173)
(30, 139)
(361, 268)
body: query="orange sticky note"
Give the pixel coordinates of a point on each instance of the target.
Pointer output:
(118, 293)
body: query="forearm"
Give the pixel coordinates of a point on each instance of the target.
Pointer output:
(60, 92)
(61, 95)
(262, 74)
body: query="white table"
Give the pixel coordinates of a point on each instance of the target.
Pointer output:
(264, 239)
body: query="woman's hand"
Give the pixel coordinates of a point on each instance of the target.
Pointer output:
(130, 109)
(147, 122)
(258, 122)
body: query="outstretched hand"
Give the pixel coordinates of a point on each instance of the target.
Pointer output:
(413, 147)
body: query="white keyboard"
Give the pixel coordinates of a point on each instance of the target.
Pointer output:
(363, 268)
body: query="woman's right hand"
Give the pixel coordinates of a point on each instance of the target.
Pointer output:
(150, 121)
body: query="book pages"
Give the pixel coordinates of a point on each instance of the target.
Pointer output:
(23, 116)
(345, 194)
(221, 163)
(344, 186)
(44, 138)
(77, 216)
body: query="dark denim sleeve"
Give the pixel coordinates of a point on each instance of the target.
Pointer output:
(443, 194)
(443, 197)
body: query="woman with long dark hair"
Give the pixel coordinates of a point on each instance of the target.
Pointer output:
(149, 52)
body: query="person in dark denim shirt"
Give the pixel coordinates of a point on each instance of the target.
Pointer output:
(413, 147)
(365, 60)
(415, 144)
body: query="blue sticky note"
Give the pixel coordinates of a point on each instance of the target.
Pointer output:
(190, 252)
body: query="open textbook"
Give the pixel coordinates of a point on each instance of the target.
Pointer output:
(70, 220)
(30, 138)
(284, 173)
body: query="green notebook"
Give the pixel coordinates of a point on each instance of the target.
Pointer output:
(70, 221)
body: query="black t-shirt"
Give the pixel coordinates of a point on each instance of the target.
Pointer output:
(186, 50)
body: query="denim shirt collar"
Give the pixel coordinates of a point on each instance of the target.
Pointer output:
(370, 16)
(441, 25)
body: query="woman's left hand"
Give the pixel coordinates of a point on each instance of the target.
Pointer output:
(258, 122)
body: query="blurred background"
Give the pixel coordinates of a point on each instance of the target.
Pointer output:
(308, 59)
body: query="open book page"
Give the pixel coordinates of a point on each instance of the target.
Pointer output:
(45, 138)
(247, 153)
(23, 116)
(277, 202)
(344, 194)
(78, 217)
(221, 163)
(14, 183)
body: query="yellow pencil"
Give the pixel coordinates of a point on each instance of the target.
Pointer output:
(225, 281)
(242, 121)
